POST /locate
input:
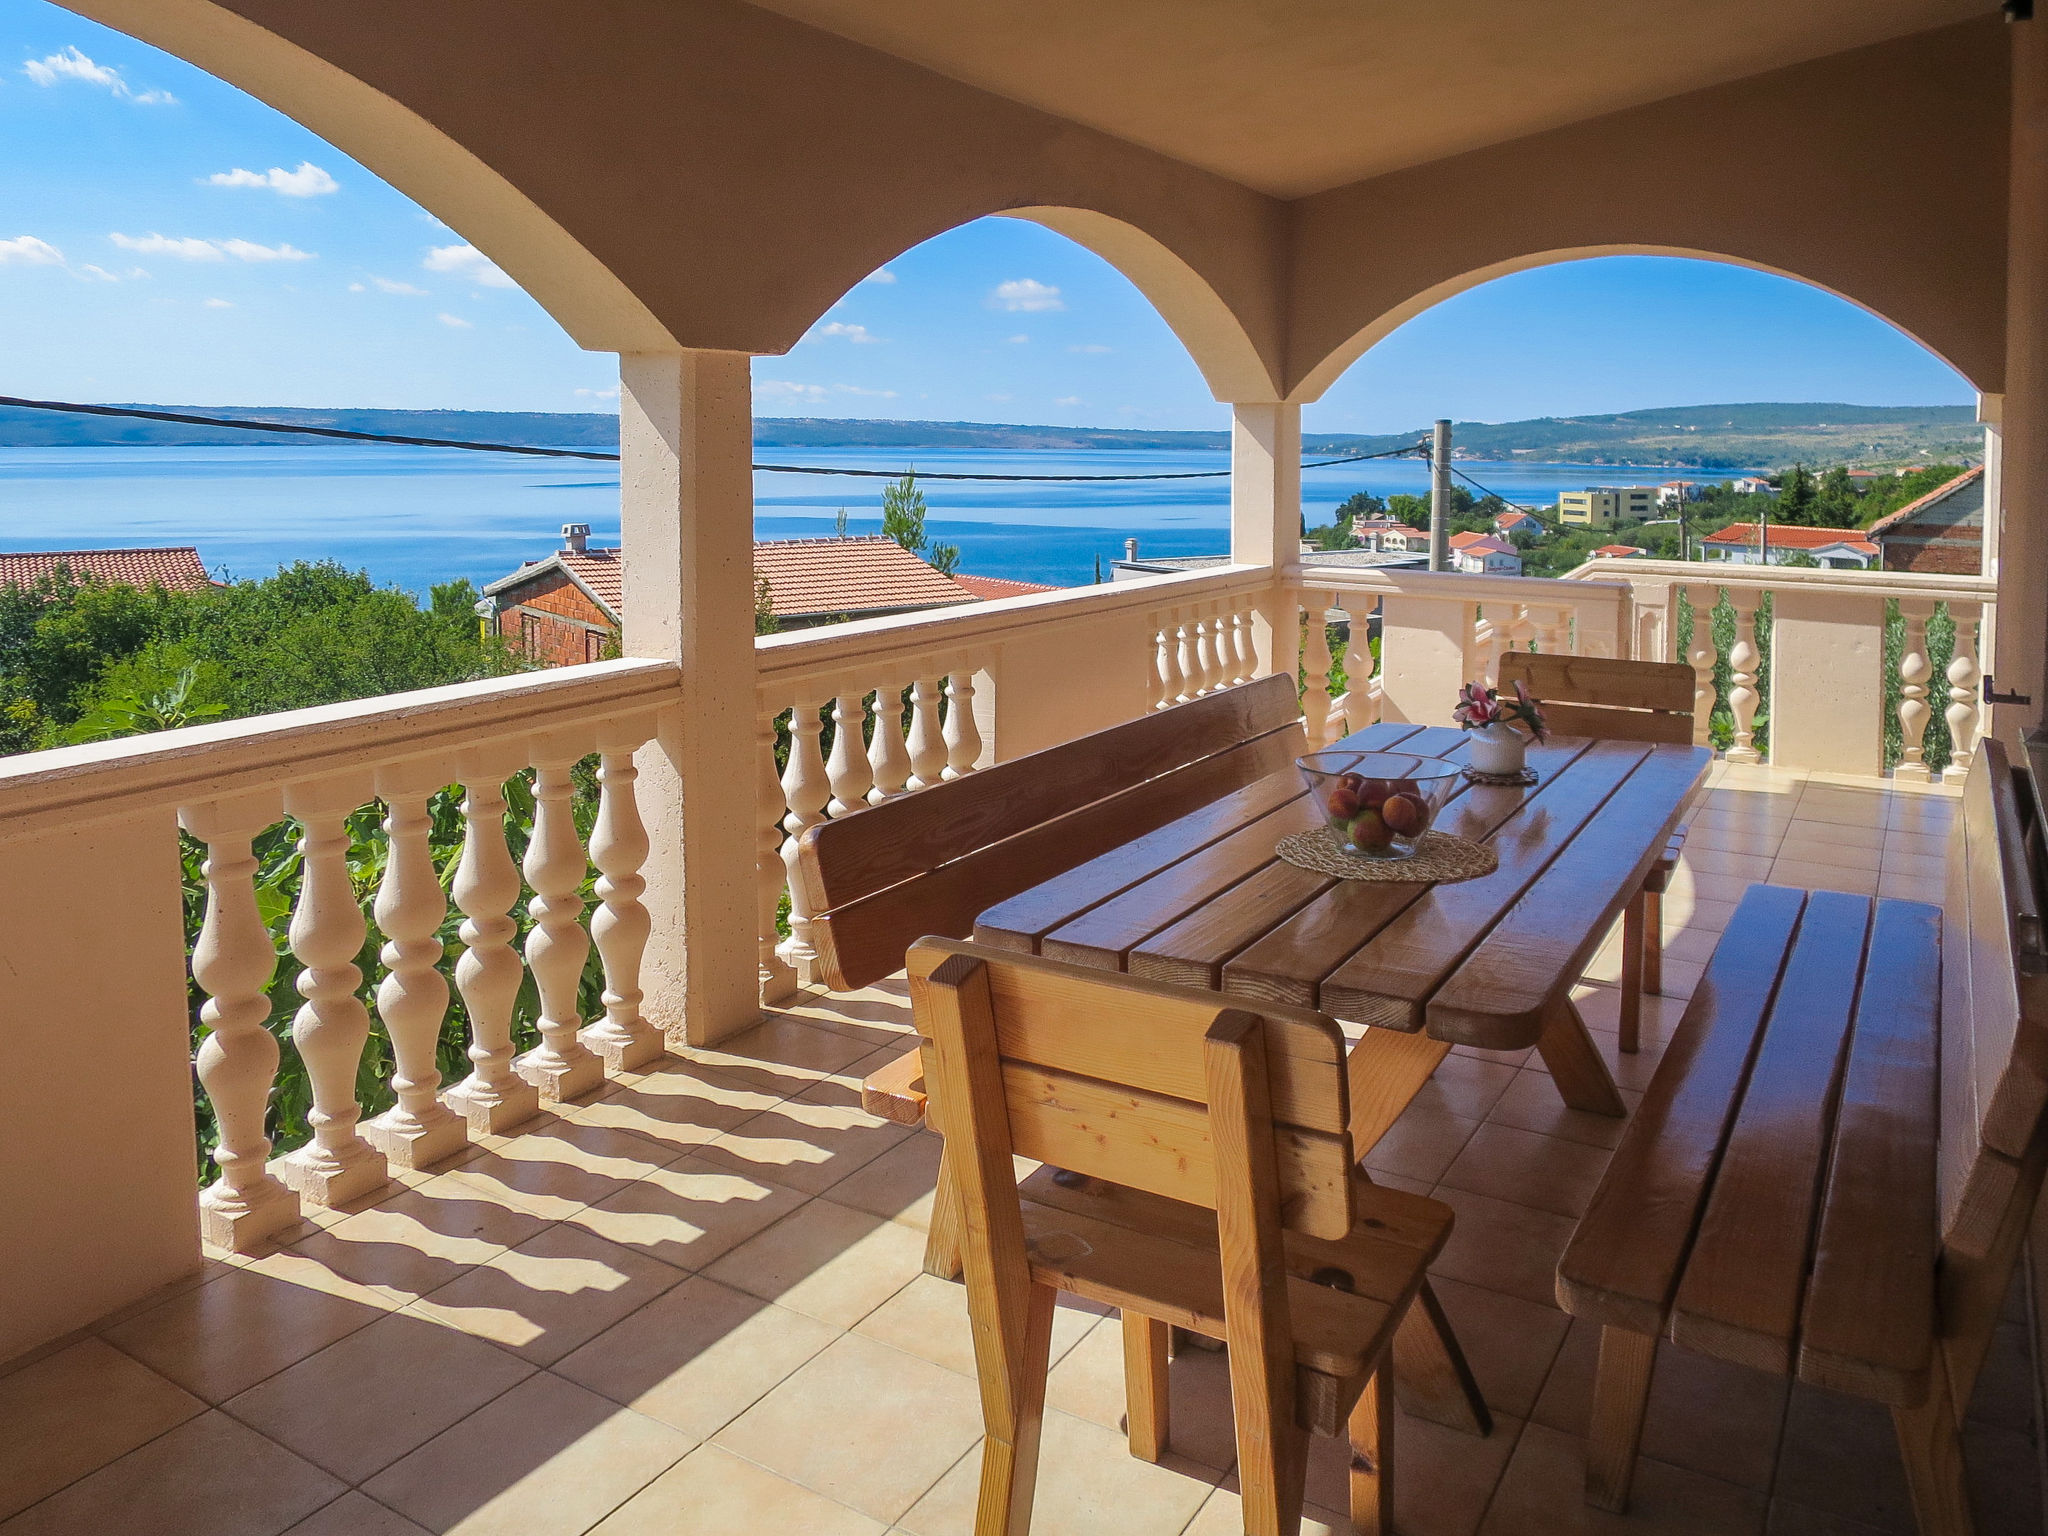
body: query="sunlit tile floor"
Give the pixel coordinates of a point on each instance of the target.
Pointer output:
(693, 1306)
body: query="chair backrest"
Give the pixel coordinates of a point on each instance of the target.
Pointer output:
(1606, 699)
(931, 861)
(1994, 1052)
(1175, 1092)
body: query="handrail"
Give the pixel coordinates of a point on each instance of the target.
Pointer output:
(1709, 573)
(1409, 582)
(109, 779)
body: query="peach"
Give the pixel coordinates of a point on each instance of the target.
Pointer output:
(1405, 814)
(1342, 804)
(1369, 831)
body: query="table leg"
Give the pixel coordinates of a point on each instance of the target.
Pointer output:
(1582, 1078)
(1387, 1068)
(1634, 951)
(1431, 1377)
(942, 1239)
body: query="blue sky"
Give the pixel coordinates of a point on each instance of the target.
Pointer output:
(165, 238)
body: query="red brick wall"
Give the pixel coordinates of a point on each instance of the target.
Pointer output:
(553, 622)
(1935, 557)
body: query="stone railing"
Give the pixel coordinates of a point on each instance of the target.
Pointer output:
(855, 714)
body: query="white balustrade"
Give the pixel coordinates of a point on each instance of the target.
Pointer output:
(778, 977)
(625, 1040)
(888, 757)
(1914, 671)
(926, 740)
(493, 1098)
(1360, 703)
(1701, 654)
(963, 732)
(806, 791)
(1315, 669)
(847, 769)
(1964, 702)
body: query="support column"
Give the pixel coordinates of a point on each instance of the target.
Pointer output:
(687, 524)
(2020, 661)
(1265, 517)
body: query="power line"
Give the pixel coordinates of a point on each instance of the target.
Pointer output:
(182, 418)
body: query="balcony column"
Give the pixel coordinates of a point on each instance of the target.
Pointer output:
(2019, 658)
(687, 523)
(1265, 518)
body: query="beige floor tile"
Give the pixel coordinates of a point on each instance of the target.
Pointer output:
(838, 1426)
(224, 1337)
(1789, 1519)
(1841, 1457)
(1546, 1173)
(809, 1142)
(1933, 845)
(1737, 835)
(928, 1318)
(681, 1105)
(1502, 1246)
(1704, 1415)
(1694, 944)
(359, 1405)
(1421, 1144)
(1504, 1058)
(1465, 1086)
(2005, 1385)
(689, 1213)
(1510, 1342)
(827, 1261)
(552, 1293)
(556, 1170)
(1712, 861)
(1925, 814)
(1089, 1484)
(712, 1492)
(210, 1476)
(898, 1184)
(1843, 807)
(1442, 1477)
(546, 1459)
(2005, 1487)
(1909, 888)
(1915, 866)
(1223, 1515)
(782, 1056)
(356, 1514)
(208, 1270)
(698, 1356)
(1543, 1493)
(416, 1241)
(1695, 912)
(72, 1412)
(1813, 842)
(1823, 877)
(1710, 887)
(1089, 1384)
(1531, 1104)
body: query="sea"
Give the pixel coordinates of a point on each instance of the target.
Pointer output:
(413, 517)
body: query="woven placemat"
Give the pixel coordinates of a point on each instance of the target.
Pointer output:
(1439, 858)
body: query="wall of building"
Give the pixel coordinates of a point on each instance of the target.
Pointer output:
(553, 622)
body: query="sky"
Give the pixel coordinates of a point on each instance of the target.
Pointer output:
(166, 238)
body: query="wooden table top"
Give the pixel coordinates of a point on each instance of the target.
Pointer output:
(1204, 901)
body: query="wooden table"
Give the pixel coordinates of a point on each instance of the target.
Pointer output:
(1490, 962)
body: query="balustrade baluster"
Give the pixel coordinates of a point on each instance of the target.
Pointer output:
(1486, 642)
(493, 1098)
(412, 1000)
(233, 963)
(805, 789)
(963, 731)
(1358, 699)
(1743, 660)
(1186, 679)
(847, 768)
(1168, 689)
(1701, 654)
(332, 1028)
(778, 981)
(927, 741)
(1207, 665)
(888, 762)
(1914, 671)
(1243, 651)
(1553, 631)
(1964, 701)
(1315, 664)
(624, 1039)
(561, 1066)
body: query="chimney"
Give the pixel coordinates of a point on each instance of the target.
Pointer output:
(575, 538)
(1130, 549)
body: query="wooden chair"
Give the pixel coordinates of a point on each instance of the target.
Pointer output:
(1187, 1106)
(1619, 701)
(1834, 1167)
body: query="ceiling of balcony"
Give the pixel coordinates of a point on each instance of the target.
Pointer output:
(1294, 96)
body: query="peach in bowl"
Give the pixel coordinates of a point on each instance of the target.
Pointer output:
(1378, 803)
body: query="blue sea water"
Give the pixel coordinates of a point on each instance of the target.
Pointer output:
(415, 516)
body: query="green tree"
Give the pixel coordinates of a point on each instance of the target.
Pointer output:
(1798, 499)
(765, 621)
(903, 515)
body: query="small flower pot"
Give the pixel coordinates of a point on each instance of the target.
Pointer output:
(1496, 749)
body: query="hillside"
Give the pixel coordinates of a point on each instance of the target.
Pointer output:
(1729, 437)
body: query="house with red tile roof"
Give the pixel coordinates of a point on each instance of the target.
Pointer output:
(1752, 544)
(1941, 533)
(565, 608)
(175, 567)
(1481, 554)
(1620, 552)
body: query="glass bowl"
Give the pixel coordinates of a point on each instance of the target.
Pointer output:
(1379, 803)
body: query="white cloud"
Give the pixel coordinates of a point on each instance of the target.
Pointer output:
(789, 389)
(880, 275)
(1019, 339)
(100, 274)
(999, 399)
(191, 248)
(854, 333)
(1026, 293)
(28, 251)
(217, 304)
(357, 288)
(70, 64)
(1068, 400)
(456, 321)
(1091, 346)
(598, 394)
(307, 181)
(386, 285)
(467, 263)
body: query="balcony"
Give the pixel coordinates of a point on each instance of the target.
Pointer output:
(627, 1280)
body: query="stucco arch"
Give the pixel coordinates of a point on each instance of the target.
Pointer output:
(638, 167)
(1326, 371)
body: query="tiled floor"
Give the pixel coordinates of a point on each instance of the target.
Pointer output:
(693, 1307)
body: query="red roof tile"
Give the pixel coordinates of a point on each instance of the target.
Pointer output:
(176, 568)
(989, 588)
(1782, 537)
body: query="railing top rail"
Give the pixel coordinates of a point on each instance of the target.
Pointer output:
(798, 654)
(1417, 583)
(207, 762)
(1717, 573)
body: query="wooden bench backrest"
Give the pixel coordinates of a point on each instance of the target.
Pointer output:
(1994, 1045)
(1607, 699)
(1114, 1078)
(931, 861)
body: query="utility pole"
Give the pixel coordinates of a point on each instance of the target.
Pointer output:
(1440, 499)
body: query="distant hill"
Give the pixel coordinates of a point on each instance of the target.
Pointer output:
(1753, 436)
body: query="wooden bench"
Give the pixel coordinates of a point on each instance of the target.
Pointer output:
(1835, 1164)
